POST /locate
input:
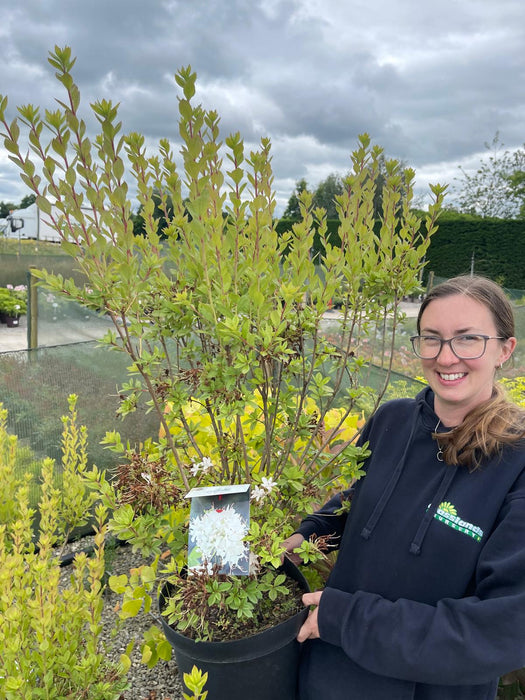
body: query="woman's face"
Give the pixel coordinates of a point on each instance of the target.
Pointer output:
(460, 385)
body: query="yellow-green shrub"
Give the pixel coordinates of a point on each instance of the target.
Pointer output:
(50, 638)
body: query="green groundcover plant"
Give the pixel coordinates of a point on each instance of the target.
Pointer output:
(222, 321)
(50, 635)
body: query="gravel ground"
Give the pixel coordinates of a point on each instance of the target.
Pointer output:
(159, 683)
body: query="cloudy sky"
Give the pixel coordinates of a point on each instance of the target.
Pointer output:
(430, 82)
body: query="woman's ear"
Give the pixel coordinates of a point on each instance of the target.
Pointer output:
(507, 348)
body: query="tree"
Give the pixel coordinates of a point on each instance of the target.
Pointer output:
(387, 168)
(326, 192)
(497, 188)
(27, 201)
(293, 210)
(162, 211)
(6, 208)
(517, 182)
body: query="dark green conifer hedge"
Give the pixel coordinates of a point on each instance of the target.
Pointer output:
(495, 247)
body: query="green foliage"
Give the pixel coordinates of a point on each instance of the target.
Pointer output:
(6, 208)
(76, 500)
(223, 321)
(13, 300)
(327, 192)
(9, 482)
(497, 247)
(195, 682)
(218, 602)
(515, 389)
(293, 209)
(50, 644)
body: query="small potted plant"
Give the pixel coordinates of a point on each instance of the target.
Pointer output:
(223, 323)
(12, 304)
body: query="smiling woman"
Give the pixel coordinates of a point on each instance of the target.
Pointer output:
(426, 598)
(477, 317)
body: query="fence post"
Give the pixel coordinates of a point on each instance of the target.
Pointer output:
(32, 308)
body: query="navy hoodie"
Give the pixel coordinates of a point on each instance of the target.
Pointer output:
(427, 598)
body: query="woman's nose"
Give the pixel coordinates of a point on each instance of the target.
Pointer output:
(446, 356)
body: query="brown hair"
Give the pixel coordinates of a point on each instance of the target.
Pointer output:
(498, 421)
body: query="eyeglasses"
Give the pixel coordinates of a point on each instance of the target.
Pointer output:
(464, 347)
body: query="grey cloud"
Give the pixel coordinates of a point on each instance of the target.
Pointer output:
(430, 86)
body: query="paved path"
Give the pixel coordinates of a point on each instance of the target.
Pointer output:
(12, 339)
(70, 331)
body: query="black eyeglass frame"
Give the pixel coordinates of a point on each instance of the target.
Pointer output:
(449, 341)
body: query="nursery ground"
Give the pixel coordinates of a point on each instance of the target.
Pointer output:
(159, 683)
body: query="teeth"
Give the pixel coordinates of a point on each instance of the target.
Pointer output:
(451, 377)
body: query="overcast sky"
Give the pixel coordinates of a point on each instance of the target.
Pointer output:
(430, 82)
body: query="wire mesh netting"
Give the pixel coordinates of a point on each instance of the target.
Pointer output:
(61, 322)
(34, 386)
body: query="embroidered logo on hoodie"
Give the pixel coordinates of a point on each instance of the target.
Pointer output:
(447, 514)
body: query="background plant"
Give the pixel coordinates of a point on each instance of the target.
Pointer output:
(49, 635)
(221, 317)
(13, 301)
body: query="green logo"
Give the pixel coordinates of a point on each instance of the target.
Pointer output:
(447, 514)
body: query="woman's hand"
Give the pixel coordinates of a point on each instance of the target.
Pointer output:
(310, 629)
(290, 544)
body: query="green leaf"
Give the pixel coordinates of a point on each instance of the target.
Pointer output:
(118, 583)
(131, 608)
(125, 663)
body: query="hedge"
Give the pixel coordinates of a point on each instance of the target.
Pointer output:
(495, 246)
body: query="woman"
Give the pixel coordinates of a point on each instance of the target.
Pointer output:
(427, 598)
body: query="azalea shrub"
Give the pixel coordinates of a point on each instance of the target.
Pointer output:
(221, 317)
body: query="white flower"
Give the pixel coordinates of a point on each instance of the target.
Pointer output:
(203, 467)
(219, 535)
(258, 493)
(146, 477)
(268, 484)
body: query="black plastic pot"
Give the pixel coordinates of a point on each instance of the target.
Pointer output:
(260, 667)
(12, 321)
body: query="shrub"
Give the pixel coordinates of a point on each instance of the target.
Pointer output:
(50, 636)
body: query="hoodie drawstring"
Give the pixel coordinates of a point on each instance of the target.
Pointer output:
(389, 488)
(448, 477)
